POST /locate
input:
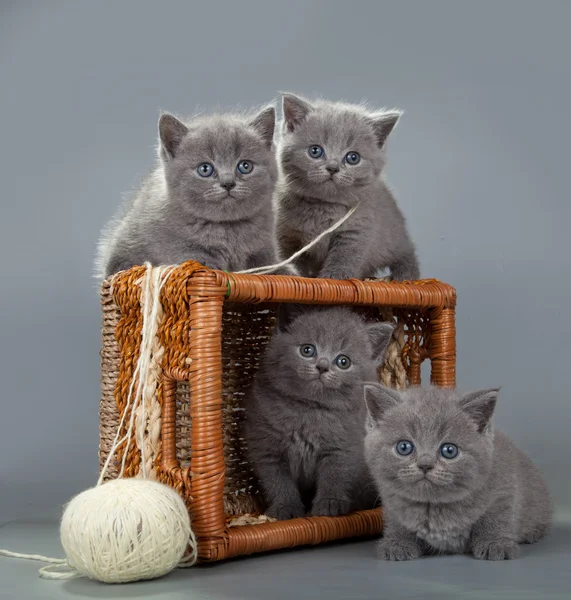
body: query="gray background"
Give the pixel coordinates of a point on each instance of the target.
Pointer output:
(480, 165)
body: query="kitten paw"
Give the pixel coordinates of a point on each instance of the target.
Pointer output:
(536, 534)
(388, 549)
(342, 275)
(330, 507)
(283, 512)
(501, 549)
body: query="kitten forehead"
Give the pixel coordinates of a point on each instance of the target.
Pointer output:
(335, 328)
(428, 414)
(339, 123)
(223, 137)
(338, 129)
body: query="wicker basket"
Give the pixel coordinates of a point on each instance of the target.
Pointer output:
(213, 330)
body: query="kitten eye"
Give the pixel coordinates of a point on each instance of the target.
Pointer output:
(449, 450)
(307, 350)
(205, 170)
(245, 167)
(352, 158)
(315, 151)
(404, 447)
(343, 362)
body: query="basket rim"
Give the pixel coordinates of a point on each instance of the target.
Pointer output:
(254, 289)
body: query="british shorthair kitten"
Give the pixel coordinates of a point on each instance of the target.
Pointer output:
(331, 157)
(209, 199)
(449, 482)
(305, 416)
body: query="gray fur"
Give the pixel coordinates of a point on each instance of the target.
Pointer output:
(486, 501)
(178, 215)
(304, 430)
(310, 199)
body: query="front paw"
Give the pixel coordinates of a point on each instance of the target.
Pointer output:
(336, 274)
(330, 507)
(389, 549)
(283, 511)
(500, 549)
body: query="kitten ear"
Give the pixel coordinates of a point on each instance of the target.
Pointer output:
(295, 110)
(380, 335)
(264, 123)
(379, 399)
(383, 124)
(480, 405)
(171, 133)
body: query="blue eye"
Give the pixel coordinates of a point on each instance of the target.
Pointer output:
(343, 362)
(404, 448)
(449, 450)
(307, 350)
(315, 151)
(245, 167)
(352, 158)
(205, 170)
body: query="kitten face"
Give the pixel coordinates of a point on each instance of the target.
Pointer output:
(427, 445)
(219, 168)
(327, 149)
(326, 353)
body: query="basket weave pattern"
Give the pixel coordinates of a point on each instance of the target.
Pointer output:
(213, 331)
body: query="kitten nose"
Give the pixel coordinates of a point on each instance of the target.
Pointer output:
(332, 166)
(228, 185)
(322, 365)
(425, 463)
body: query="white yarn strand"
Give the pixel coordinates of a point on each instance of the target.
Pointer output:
(269, 268)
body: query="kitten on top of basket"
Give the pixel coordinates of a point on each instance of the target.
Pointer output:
(210, 198)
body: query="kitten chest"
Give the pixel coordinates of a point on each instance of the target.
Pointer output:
(439, 526)
(303, 454)
(314, 218)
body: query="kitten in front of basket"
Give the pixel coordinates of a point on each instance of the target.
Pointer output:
(331, 157)
(305, 417)
(209, 199)
(450, 482)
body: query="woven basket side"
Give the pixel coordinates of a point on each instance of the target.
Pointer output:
(246, 331)
(110, 356)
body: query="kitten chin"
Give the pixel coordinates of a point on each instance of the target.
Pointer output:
(331, 158)
(448, 481)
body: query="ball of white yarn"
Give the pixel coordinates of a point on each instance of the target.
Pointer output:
(125, 530)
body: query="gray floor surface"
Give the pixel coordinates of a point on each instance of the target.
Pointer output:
(342, 570)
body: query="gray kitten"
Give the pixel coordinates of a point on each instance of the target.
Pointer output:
(448, 481)
(209, 199)
(331, 157)
(305, 416)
